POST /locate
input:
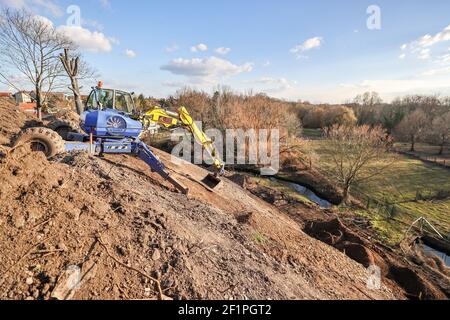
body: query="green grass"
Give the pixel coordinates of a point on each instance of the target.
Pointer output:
(425, 150)
(260, 238)
(312, 133)
(399, 188)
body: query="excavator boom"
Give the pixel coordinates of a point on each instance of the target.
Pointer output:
(182, 118)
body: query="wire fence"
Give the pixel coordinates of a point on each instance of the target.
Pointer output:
(436, 160)
(391, 211)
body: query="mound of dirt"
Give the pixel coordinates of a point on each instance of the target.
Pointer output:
(126, 234)
(335, 233)
(67, 115)
(416, 286)
(12, 121)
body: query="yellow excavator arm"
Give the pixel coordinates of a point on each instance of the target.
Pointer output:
(182, 118)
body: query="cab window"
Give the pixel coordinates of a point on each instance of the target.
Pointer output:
(105, 98)
(92, 102)
(123, 102)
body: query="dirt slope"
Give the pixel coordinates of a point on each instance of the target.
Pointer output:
(53, 215)
(129, 235)
(12, 120)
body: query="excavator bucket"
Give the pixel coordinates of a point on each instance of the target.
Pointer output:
(178, 185)
(211, 181)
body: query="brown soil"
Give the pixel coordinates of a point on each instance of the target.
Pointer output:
(65, 114)
(130, 235)
(415, 279)
(13, 120)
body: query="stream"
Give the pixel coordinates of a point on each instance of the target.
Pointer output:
(304, 191)
(442, 255)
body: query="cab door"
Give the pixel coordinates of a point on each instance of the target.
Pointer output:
(124, 102)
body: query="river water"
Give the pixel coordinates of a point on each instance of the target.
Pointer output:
(304, 191)
(428, 250)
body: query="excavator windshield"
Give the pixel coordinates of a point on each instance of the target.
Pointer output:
(110, 99)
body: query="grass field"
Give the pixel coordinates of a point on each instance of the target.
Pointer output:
(312, 133)
(397, 190)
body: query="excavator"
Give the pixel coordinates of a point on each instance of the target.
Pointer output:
(121, 102)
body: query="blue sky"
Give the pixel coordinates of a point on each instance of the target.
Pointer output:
(322, 51)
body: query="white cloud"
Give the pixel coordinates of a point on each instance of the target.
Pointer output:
(130, 53)
(402, 56)
(313, 43)
(92, 23)
(430, 40)
(436, 72)
(93, 41)
(444, 59)
(424, 54)
(222, 50)
(268, 80)
(114, 40)
(421, 46)
(280, 83)
(87, 40)
(206, 69)
(199, 47)
(266, 64)
(40, 19)
(172, 48)
(278, 87)
(48, 6)
(399, 87)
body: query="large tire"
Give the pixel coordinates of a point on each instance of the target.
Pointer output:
(64, 127)
(41, 140)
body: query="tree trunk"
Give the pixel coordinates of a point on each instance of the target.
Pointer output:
(346, 194)
(77, 96)
(38, 102)
(441, 149)
(413, 144)
(71, 66)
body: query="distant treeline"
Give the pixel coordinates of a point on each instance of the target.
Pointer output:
(413, 118)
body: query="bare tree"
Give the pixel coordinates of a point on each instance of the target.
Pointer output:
(76, 69)
(440, 131)
(412, 127)
(354, 151)
(365, 106)
(368, 99)
(29, 45)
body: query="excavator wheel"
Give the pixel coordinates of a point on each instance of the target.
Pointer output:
(41, 140)
(64, 127)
